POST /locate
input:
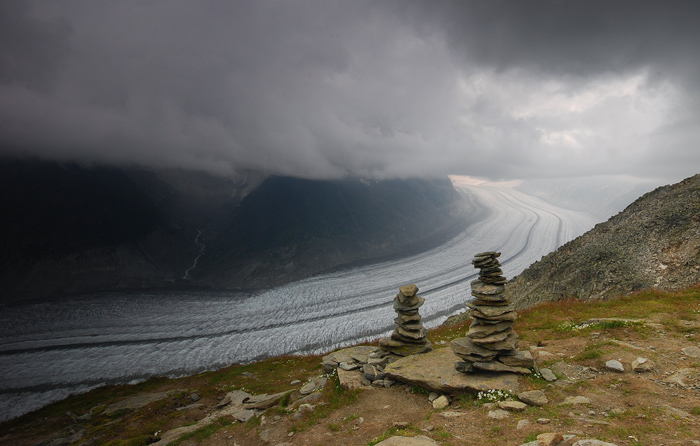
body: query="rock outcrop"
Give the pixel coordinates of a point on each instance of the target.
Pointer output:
(653, 244)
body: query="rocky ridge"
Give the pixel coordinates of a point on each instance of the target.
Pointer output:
(653, 244)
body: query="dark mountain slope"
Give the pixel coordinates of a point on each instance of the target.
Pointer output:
(290, 228)
(653, 243)
(72, 229)
(67, 228)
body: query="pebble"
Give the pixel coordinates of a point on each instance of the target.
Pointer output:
(522, 424)
(498, 414)
(548, 375)
(533, 397)
(615, 366)
(549, 439)
(441, 403)
(516, 406)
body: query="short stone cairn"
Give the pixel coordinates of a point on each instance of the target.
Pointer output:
(490, 344)
(409, 338)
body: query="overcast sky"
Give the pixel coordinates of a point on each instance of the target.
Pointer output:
(323, 89)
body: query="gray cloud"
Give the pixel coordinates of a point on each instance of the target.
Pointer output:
(324, 89)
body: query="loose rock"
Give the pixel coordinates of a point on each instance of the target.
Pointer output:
(441, 403)
(533, 398)
(615, 366)
(549, 439)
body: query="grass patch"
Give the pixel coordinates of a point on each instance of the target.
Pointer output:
(204, 432)
(350, 418)
(419, 390)
(336, 396)
(695, 410)
(441, 434)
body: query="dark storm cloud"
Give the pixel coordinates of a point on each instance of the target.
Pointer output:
(377, 89)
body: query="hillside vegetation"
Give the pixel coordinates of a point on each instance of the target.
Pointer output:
(653, 244)
(574, 339)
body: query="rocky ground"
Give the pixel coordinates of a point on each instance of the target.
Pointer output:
(625, 372)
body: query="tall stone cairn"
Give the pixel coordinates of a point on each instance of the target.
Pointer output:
(409, 338)
(490, 344)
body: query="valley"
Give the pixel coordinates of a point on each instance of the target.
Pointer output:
(52, 348)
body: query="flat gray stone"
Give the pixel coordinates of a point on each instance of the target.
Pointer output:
(408, 290)
(592, 443)
(404, 349)
(350, 379)
(441, 402)
(316, 384)
(264, 401)
(498, 414)
(480, 287)
(522, 358)
(491, 339)
(490, 311)
(495, 366)
(477, 330)
(234, 398)
(136, 402)
(419, 301)
(615, 366)
(533, 397)
(691, 351)
(641, 365)
(419, 440)
(466, 348)
(515, 406)
(352, 355)
(548, 375)
(509, 316)
(575, 400)
(436, 371)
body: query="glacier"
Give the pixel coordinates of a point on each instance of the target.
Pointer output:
(51, 349)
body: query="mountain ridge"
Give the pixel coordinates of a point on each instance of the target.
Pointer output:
(70, 229)
(654, 243)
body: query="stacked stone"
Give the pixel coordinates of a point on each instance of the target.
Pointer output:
(490, 344)
(409, 338)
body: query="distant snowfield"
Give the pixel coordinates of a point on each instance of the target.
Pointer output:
(49, 350)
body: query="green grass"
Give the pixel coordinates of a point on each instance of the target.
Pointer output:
(204, 432)
(336, 396)
(419, 390)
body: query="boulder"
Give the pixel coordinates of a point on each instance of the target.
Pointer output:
(514, 406)
(533, 397)
(419, 440)
(316, 384)
(441, 402)
(615, 366)
(495, 366)
(350, 379)
(640, 365)
(436, 371)
(264, 401)
(521, 358)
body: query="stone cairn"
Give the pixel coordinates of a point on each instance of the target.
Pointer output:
(409, 338)
(490, 344)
